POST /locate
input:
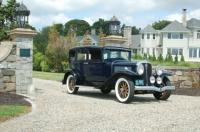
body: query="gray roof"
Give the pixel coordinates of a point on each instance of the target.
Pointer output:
(193, 23)
(148, 29)
(135, 41)
(175, 27)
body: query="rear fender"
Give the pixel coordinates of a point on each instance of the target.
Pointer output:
(66, 75)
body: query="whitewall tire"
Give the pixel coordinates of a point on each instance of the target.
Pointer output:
(71, 85)
(124, 90)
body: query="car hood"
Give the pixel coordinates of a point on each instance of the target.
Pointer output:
(127, 63)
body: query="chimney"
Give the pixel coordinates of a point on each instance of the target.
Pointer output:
(184, 17)
(93, 31)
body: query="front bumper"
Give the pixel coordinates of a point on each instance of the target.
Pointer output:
(153, 88)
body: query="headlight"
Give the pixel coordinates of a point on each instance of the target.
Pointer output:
(152, 80)
(140, 68)
(159, 80)
(159, 71)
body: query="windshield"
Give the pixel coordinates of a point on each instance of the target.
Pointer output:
(116, 54)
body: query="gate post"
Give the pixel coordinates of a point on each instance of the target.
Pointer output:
(24, 58)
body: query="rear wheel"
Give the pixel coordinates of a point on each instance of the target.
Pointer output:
(124, 90)
(165, 94)
(71, 85)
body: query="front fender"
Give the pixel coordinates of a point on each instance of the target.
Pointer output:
(111, 80)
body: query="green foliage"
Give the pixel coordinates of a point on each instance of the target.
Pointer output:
(45, 66)
(160, 58)
(182, 58)
(169, 57)
(101, 25)
(60, 28)
(145, 56)
(12, 110)
(65, 65)
(176, 59)
(37, 59)
(40, 41)
(160, 24)
(80, 26)
(137, 57)
(56, 51)
(3, 34)
(154, 57)
(135, 30)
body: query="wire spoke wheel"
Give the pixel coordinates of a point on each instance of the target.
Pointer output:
(124, 90)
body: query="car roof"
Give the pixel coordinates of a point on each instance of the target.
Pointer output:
(100, 47)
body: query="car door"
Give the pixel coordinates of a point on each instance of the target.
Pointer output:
(94, 68)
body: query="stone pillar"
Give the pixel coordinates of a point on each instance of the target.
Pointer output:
(24, 55)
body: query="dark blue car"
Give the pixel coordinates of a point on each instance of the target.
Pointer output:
(110, 68)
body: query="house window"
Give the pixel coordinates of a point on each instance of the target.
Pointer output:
(169, 35)
(154, 36)
(175, 36)
(142, 36)
(174, 51)
(148, 36)
(198, 35)
(193, 52)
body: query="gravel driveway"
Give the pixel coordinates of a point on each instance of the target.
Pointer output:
(91, 111)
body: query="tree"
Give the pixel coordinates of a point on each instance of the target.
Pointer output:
(101, 37)
(182, 58)
(135, 30)
(102, 25)
(160, 58)
(160, 24)
(40, 41)
(176, 59)
(56, 50)
(60, 28)
(80, 26)
(154, 57)
(169, 57)
(10, 13)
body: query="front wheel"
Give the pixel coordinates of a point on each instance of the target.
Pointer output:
(124, 90)
(71, 85)
(165, 94)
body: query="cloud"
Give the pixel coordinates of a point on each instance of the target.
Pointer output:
(178, 16)
(130, 12)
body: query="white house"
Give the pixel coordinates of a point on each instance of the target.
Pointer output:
(176, 38)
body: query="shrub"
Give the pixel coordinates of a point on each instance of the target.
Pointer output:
(44, 66)
(182, 58)
(154, 57)
(169, 57)
(176, 59)
(37, 59)
(65, 65)
(137, 57)
(160, 58)
(145, 56)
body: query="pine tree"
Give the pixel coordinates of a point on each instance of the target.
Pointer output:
(176, 59)
(182, 58)
(160, 58)
(154, 57)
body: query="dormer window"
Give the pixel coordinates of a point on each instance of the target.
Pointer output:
(142, 36)
(154, 36)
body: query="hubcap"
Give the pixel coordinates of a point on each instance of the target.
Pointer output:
(71, 84)
(123, 89)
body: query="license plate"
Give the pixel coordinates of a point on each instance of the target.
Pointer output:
(139, 82)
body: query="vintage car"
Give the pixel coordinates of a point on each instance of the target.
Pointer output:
(110, 68)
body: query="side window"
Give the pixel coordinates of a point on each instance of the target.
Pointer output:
(94, 55)
(72, 55)
(81, 55)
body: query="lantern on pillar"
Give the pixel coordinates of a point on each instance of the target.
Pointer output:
(22, 15)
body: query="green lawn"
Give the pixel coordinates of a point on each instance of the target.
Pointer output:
(9, 111)
(48, 75)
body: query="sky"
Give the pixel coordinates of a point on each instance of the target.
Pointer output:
(137, 13)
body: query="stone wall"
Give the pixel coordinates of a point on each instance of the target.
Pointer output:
(186, 78)
(7, 66)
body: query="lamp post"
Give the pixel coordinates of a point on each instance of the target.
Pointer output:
(22, 15)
